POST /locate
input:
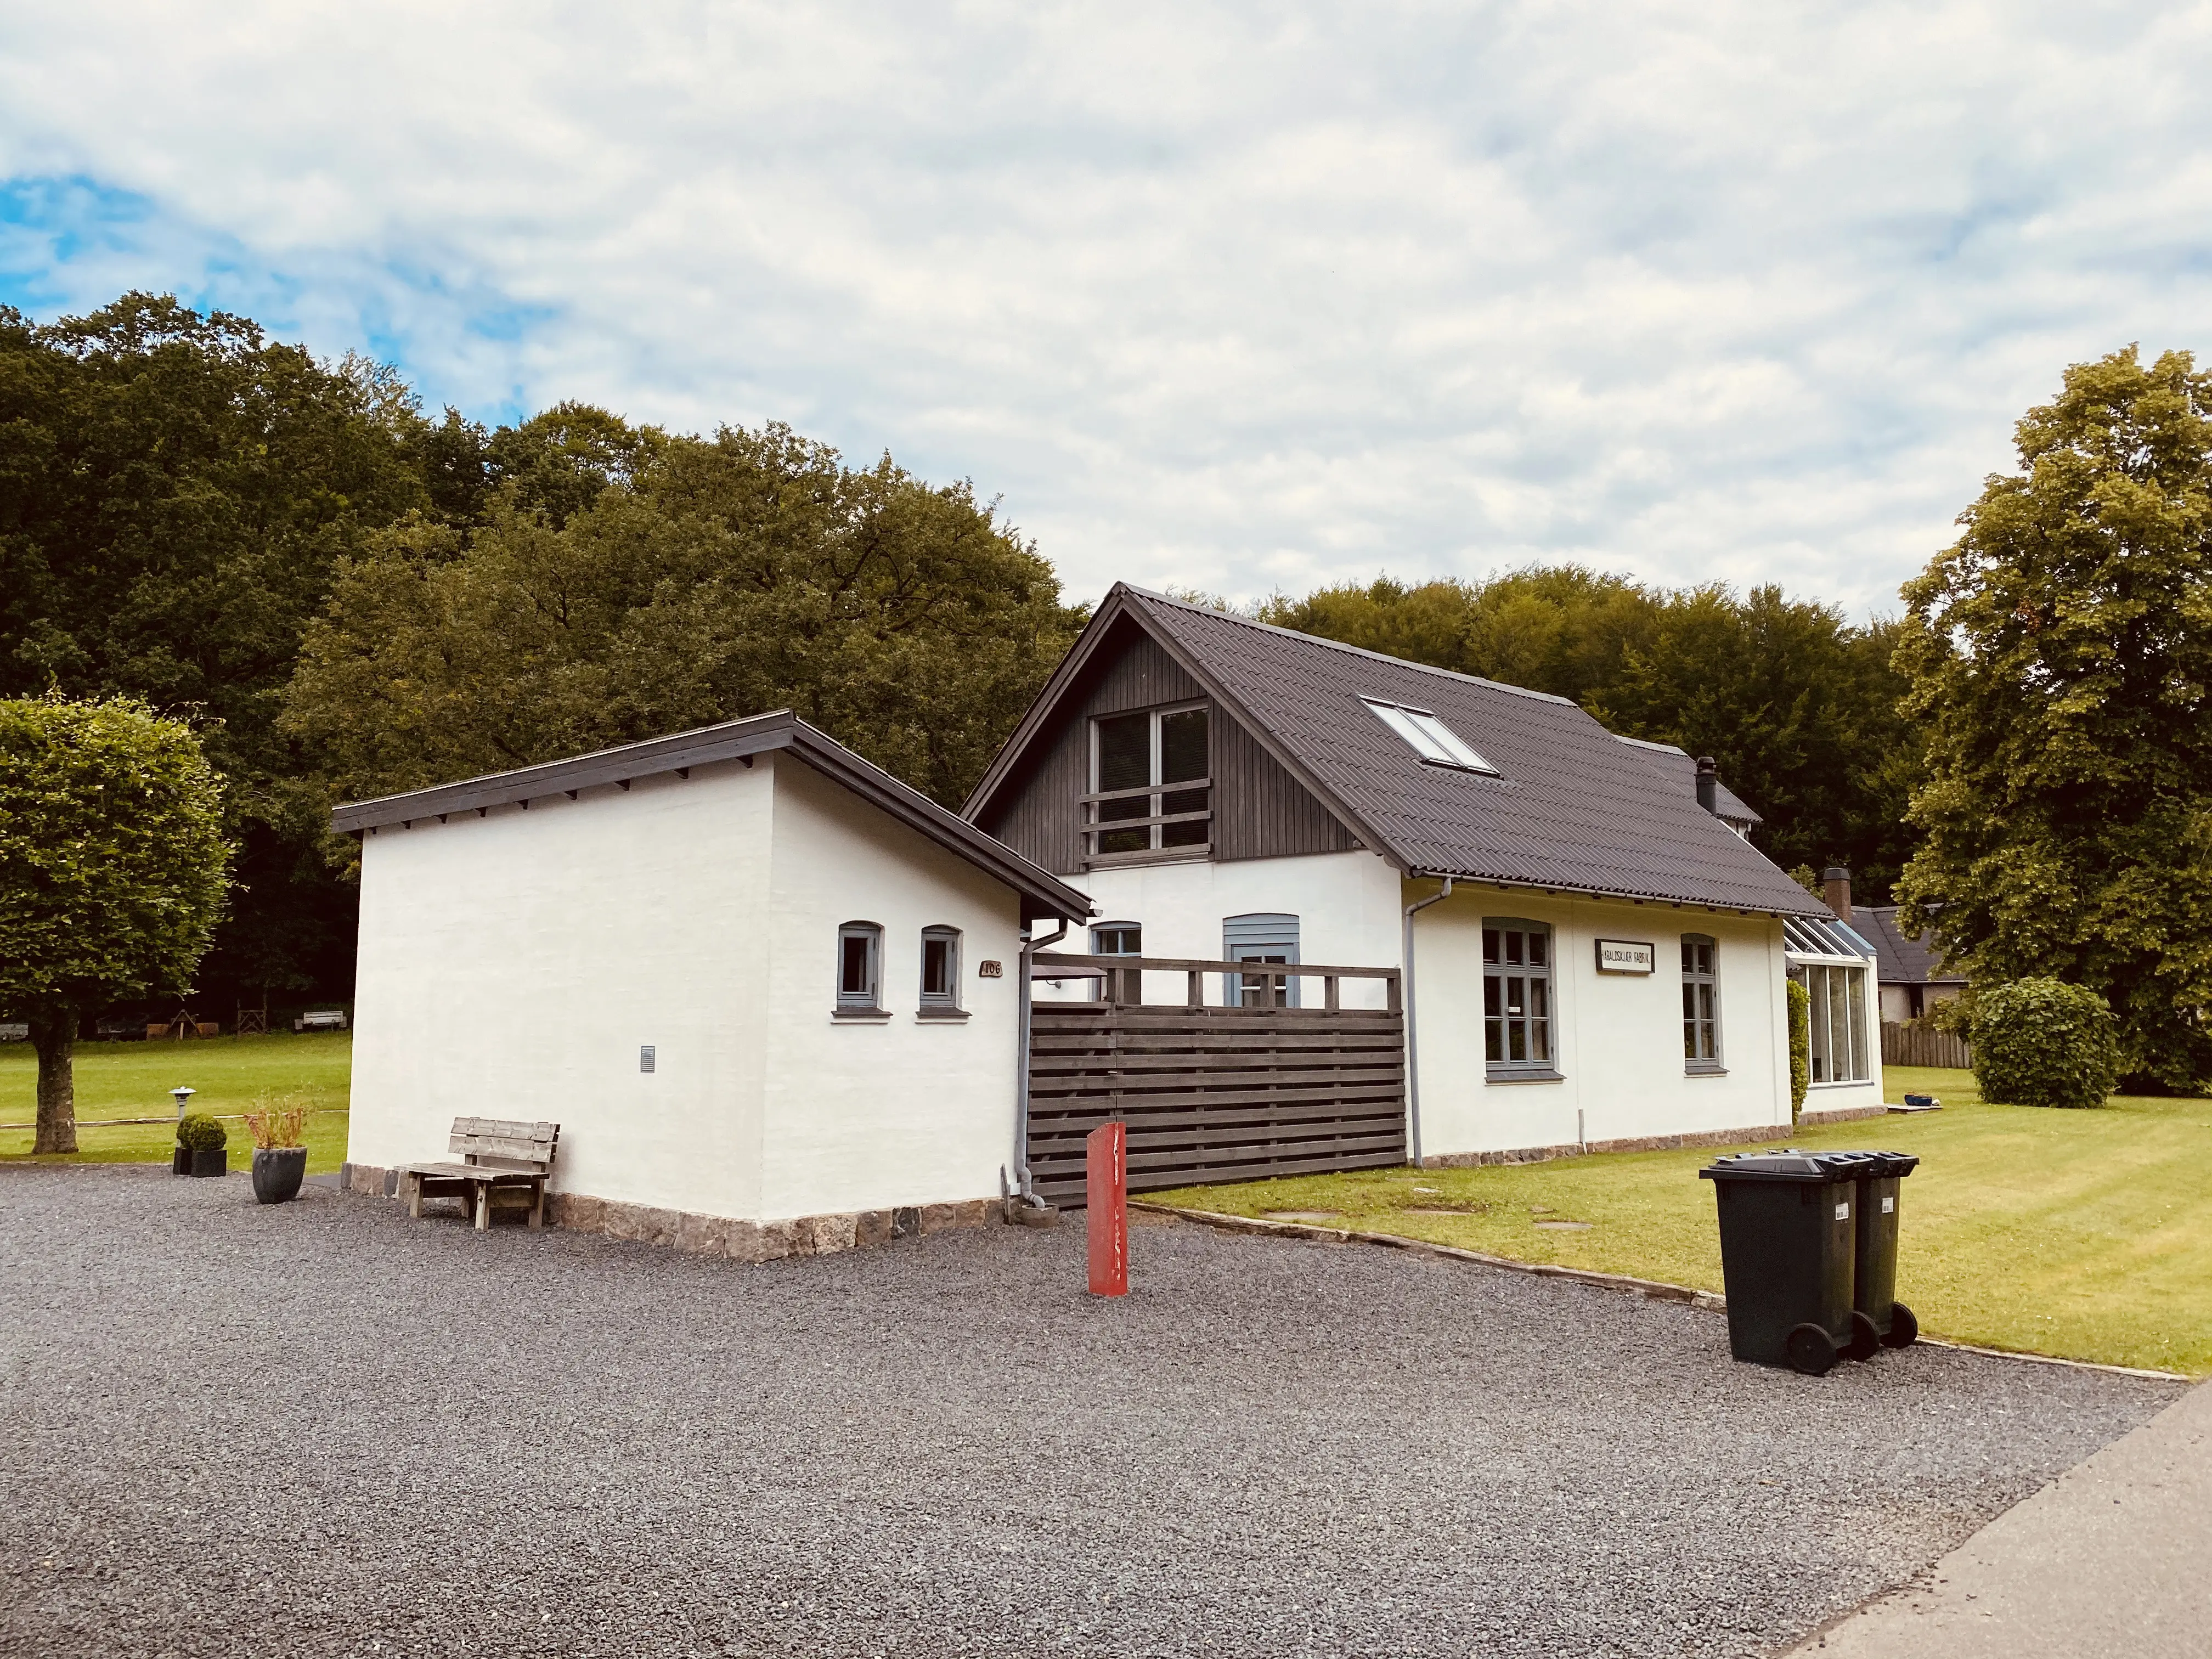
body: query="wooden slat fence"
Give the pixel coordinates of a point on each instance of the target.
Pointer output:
(1923, 1045)
(1211, 1093)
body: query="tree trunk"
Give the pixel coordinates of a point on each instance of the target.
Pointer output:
(54, 1036)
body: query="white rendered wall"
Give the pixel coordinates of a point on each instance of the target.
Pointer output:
(1619, 1037)
(1346, 904)
(512, 965)
(862, 1115)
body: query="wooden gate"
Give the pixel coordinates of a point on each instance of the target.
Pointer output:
(1214, 1093)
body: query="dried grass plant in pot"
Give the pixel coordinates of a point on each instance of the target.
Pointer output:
(203, 1140)
(279, 1126)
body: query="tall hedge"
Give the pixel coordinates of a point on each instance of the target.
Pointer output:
(2043, 1042)
(1801, 1047)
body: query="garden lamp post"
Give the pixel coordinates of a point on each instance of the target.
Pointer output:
(181, 1094)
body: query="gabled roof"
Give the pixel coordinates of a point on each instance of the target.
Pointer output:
(1042, 893)
(1901, 959)
(1572, 809)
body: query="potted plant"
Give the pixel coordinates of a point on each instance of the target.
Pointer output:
(201, 1141)
(280, 1148)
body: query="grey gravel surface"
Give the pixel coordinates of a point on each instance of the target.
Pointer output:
(322, 1429)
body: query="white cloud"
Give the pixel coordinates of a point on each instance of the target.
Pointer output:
(1235, 298)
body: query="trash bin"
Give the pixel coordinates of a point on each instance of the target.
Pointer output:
(1789, 1250)
(1874, 1278)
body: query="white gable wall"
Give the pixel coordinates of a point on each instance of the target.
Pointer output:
(512, 965)
(866, 1114)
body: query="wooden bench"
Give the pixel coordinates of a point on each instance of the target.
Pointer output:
(498, 1156)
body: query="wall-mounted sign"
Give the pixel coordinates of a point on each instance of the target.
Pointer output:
(988, 970)
(1626, 956)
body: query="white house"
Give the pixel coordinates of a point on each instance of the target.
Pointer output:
(1593, 952)
(770, 993)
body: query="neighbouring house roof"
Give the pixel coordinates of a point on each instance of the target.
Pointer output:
(1901, 958)
(1042, 893)
(1733, 807)
(1571, 808)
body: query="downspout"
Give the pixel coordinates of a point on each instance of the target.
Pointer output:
(1413, 1050)
(1025, 1187)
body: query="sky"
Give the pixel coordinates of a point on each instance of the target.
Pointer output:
(1244, 298)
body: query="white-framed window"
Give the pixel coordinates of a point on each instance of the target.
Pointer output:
(1133, 810)
(1429, 737)
(940, 972)
(1839, 1052)
(1518, 1032)
(1261, 937)
(1830, 959)
(1119, 939)
(859, 967)
(1701, 1002)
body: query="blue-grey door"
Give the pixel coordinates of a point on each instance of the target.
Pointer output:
(1260, 938)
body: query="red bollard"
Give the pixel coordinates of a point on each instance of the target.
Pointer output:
(1106, 1182)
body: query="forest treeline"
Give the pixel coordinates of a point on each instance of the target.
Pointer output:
(350, 596)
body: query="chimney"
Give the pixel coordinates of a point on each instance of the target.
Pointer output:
(1709, 785)
(1836, 888)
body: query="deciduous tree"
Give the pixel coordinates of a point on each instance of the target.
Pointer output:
(113, 872)
(2060, 657)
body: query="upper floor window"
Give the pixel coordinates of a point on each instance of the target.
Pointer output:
(1516, 997)
(1429, 738)
(941, 970)
(1701, 1003)
(1132, 813)
(859, 968)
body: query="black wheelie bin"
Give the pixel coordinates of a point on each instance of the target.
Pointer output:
(1789, 1250)
(1874, 1277)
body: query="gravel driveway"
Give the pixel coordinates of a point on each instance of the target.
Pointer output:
(322, 1429)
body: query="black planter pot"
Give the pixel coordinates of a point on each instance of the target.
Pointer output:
(277, 1171)
(211, 1161)
(181, 1163)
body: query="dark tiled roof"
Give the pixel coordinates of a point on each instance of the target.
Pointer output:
(1902, 959)
(1041, 894)
(1733, 806)
(1572, 809)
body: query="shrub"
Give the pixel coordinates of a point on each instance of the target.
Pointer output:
(277, 1122)
(1801, 1046)
(2043, 1042)
(198, 1132)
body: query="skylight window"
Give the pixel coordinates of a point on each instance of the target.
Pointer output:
(1429, 738)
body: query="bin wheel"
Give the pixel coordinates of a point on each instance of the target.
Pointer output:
(1811, 1350)
(1866, 1338)
(1903, 1328)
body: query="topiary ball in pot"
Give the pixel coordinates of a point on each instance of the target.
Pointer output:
(203, 1139)
(2043, 1042)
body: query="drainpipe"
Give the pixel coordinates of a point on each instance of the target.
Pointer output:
(1022, 1065)
(1413, 1051)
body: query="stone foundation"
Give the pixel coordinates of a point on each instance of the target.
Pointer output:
(714, 1235)
(1654, 1143)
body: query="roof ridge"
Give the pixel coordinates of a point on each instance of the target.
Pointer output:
(1339, 645)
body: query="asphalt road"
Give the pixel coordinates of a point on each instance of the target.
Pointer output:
(322, 1429)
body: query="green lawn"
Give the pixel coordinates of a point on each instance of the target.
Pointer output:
(133, 1079)
(2086, 1235)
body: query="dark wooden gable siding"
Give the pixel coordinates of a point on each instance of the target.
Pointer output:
(1260, 810)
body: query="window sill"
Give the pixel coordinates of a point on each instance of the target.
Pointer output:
(1845, 1082)
(1524, 1077)
(865, 1016)
(1155, 855)
(1703, 1068)
(955, 1015)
